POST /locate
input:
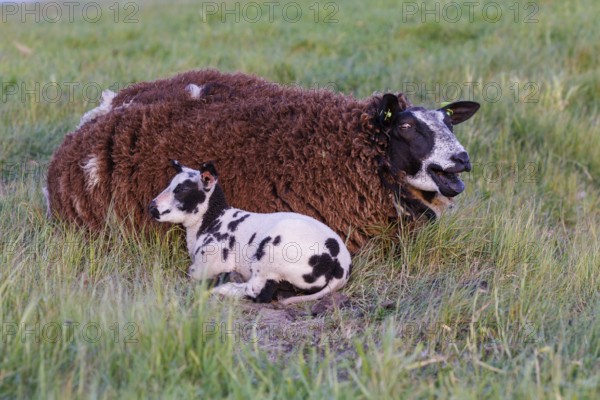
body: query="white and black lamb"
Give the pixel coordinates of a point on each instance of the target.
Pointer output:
(267, 250)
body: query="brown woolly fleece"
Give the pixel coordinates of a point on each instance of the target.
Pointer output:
(277, 148)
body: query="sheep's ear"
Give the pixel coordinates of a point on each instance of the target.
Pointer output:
(207, 180)
(175, 164)
(387, 113)
(460, 111)
(403, 101)
(208, 175)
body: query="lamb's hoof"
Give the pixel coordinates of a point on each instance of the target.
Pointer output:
(229, 290)
(226, 277)
(222, 279)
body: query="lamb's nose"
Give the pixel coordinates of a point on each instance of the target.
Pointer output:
(153, 209)
(462, 159)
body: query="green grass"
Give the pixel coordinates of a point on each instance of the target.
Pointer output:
(497, 299)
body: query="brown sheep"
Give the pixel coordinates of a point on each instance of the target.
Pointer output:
(352, 164)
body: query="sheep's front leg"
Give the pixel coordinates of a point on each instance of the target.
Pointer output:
(231, 289)
(257, 288)
(200, 271)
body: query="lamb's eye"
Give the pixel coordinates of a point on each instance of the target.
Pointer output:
(178, 189)
(405, 126)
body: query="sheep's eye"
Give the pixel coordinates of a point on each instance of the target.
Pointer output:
(178, 189)
(405, 126)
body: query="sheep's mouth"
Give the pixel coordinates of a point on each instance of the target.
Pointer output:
(155, 213)
(447, 180)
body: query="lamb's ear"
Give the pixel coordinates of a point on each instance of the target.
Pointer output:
(208, 175)
(387, 113)
(207, 180)
(175, 164)
(460, 111)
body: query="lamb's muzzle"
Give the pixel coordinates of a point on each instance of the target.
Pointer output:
(153, 209)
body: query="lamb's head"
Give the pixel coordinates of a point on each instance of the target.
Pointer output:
(421, 146)
(186, 199)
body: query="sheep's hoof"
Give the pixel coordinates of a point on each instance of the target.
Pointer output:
(230, 290)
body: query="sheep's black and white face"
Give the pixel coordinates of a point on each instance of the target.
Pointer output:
(185, 200)
(422, 145)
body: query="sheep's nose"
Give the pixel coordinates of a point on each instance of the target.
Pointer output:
(153, 209)
(462, 159)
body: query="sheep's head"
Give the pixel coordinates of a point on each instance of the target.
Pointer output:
(421, 146)
(185, 200)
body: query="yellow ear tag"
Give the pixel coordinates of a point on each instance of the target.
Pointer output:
(388, 115)
(449, 112)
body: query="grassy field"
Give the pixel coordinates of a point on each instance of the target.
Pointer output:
(498, 299)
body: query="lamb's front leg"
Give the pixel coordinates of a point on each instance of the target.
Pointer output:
(259, 289)
(202, 270)
(231, 289)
